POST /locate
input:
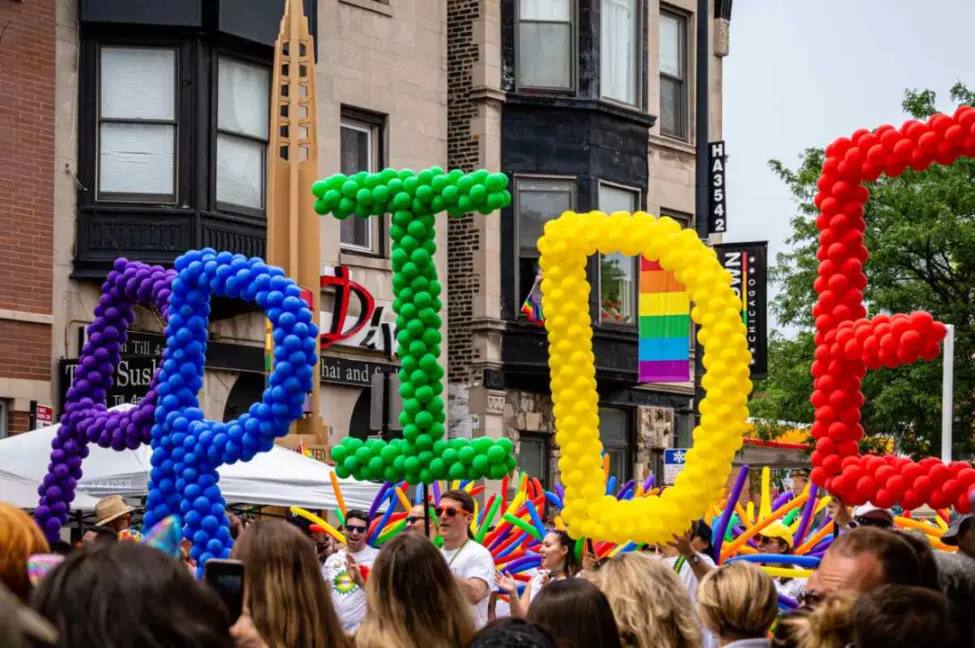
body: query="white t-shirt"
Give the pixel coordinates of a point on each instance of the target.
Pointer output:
(472, 560)
(793, 587)
(690, 582)
(347, 597)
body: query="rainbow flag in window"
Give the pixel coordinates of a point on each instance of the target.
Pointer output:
(532, 308)
(665, 326)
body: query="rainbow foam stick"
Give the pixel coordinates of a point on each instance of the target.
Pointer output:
(807, 513)
(761, 524)
(504, 492)
(341, 516)
(492, 508)
(664, 335)
(765, 507)
(782, 499)
(648, 484)
(610, 483)
(405, 503)
(537, 520)
(390, 509)
(606, 466)
(436, 493)
(717, 538)
(338, 492)
(815, 539)
(390, 532)
(554, 499)
(379, 498)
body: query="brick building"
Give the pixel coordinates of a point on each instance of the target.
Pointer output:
(585, 104)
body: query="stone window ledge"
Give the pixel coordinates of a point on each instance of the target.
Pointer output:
(362, 261)
(371, 5)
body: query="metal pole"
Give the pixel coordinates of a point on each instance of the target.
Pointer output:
(426, 512)
(701, 134)
(947, 393)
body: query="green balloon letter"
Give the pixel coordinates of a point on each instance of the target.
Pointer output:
(424, 454)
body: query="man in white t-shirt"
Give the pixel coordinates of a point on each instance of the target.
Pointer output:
(342, 571)
(470, 563)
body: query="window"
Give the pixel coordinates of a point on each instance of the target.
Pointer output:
(673, 74)
(617, 273)
(620, 48)
(537, 201)
(533, 456)
(243, 92)
(545, 44)
(680, 217)
(137, 124)
(360, 152)
(614, 433)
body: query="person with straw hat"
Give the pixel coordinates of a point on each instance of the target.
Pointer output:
(113, 512)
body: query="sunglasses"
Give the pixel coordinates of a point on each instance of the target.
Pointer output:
(412, 519)
(449, 511)
(356, 528)
(652, 549)
(880, 523)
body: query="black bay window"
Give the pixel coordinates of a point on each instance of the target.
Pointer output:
(173, 128)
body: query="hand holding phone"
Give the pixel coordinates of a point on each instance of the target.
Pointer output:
(226, 577)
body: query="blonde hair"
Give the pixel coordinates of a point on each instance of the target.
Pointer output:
(829, 624)
(738, 601)
(20, 538)
(285, 593)
(412, 599)
(651, 606)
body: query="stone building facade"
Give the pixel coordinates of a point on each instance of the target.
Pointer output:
(585, 104)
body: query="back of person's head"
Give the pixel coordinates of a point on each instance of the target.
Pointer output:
(20, 538)
(956, 575)
(925, 555)
(102, 535)
(651, 607)
(576, 614)
(511, 633)
(20, 626)
(898, 559)
(895, 616)
(412, 599)
(129, 595)
(288, 599)
(738, 601)
(827, 624)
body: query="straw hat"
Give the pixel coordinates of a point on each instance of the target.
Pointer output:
(111, 508)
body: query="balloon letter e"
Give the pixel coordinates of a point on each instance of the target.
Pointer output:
(848, 344)
(564, 247)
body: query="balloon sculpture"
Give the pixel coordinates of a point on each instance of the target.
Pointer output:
(187, 450)
(848, 344)
(589, 511)
(423, 454)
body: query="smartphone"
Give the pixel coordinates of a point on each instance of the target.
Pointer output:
(226, 577)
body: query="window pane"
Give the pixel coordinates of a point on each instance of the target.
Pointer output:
(356, 150)
(539, 201)
(618, 466)
(617, 273)
(138, 83)
(240, 171)
(550, 10)
(672, 45)
(531, 458)
(357, 232)
(545, 55)
(671, 107)
(136, 159)
(618, 61)
(612, 426)
(614, 199)
(243, 98)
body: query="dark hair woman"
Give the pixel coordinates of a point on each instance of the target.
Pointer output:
(558, 562)
(576, 614)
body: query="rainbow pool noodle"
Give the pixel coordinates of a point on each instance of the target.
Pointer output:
(807, 512)
(786, 602)
(808, 562)
(378, 499)
(523, 564)
(717, 538)
(385, 520)
(782, 499)
(611, 485)
(553, 499)
(436, 493)
(648, 484)
(537, 519)
(561, 491)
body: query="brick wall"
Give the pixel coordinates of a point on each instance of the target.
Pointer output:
(18, 423)
(462, 234)
(27, 58)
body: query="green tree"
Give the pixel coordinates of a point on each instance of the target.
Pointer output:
(921, 237)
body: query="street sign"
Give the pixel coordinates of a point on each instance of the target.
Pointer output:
(673, 463)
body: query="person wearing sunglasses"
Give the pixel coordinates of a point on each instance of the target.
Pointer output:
(416, 523)
(343, 570)
(776, 539)
(470, 563)
(867, 514)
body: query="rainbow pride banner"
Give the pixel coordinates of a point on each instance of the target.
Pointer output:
(665, 326)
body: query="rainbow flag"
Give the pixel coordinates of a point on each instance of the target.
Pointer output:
(532, 308)
(665, 326)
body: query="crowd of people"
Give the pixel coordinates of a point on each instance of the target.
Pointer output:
(435, 586)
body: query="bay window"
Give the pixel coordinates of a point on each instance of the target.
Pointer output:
(620, 50)
(618, 281)
(137, 124)
(360, 150)
(545, 44)
(243, 92)
(537, 201)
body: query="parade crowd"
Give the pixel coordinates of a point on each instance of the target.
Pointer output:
(876, 586)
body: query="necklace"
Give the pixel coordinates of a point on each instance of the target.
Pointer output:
(451, 562)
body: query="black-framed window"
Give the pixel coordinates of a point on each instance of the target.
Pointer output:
(545, 44)
(685, 220)
(534, 455)
(616, 435)
(620, 50)
(673, 73)
(536, 201)
(361, 144)
(619, 275)
(243, 102)
(137, 117)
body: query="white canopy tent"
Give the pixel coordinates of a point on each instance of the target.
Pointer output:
(22, 493)
(280, 477)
